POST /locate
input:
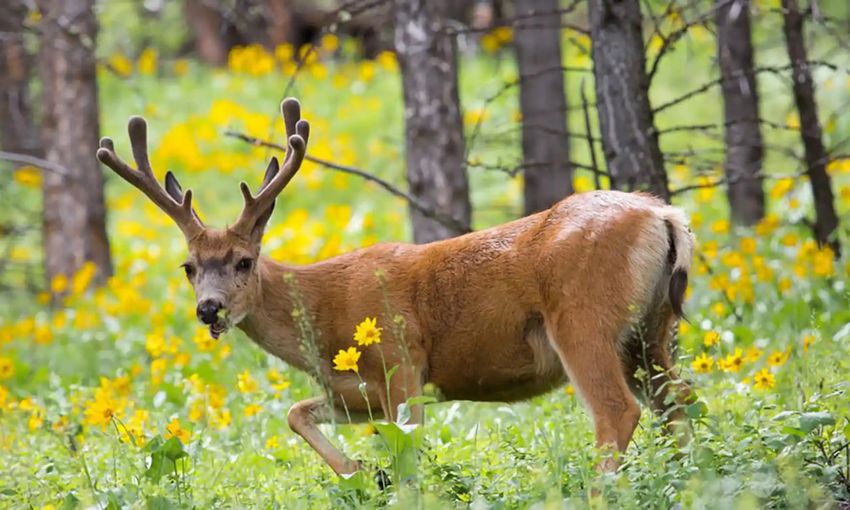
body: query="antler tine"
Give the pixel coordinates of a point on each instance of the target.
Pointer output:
(143, 178)
(137, 129)
(297, 130)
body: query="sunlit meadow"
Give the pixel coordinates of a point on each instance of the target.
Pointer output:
(118, 398)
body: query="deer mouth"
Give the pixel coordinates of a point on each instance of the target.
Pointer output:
(218, 327)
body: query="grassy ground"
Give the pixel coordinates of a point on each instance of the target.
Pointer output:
(119, 399)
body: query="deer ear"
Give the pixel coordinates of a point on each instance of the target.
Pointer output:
(173, 188)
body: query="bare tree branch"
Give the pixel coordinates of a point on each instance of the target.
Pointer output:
(44, 164)
(415, 202)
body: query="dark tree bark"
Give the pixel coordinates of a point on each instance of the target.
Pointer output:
(18, 133)
(545, 145)
(434, 143)
(629, 137)
(744, 147)
(74, 218)
(826, 221)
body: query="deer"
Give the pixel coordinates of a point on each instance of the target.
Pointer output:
(589, 291)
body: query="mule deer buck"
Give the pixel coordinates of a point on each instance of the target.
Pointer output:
(589, 291)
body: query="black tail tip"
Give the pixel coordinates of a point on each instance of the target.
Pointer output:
(678, 286)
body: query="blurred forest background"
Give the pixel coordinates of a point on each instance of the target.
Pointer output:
(600, 93)
(429, 119)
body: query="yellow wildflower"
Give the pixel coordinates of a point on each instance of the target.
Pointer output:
(100, 411)
(181, 66)
(276, 379)
(720, 227)
(753, 354)
(147, 62)
(197, 411)
(329, 42)
(764, 380)
(203, 340)
(778, 358)
(347, 360)
(28, 176)
(253, 409)
(246, 383)
(823, 262)
(36, 419)
(702, 364)
(748, 245)
(808, 340)
(7, 367)
(711, 338)
(59, 284)
(174, 429)
(4, 397)
(121, 65)
(272, 443)
(732, 362)
(221, 419)
(367, 332)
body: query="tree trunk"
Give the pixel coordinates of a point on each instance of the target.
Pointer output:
(17, 130)
(74, 218)
(744, 148)
(280, 22)
(629, 138)
(208, 29)
(826, 221)
(436, 170)
(545, 145)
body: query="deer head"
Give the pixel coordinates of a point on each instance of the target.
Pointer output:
(222, 264)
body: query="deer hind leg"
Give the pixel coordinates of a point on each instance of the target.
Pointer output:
(304, 418)
(648, 351)
(593, 365)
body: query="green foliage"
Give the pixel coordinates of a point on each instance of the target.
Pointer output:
(120, 400)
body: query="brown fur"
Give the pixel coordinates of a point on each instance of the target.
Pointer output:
(580, 291)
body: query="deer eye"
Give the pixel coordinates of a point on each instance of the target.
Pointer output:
(244, 264)
(189, 268)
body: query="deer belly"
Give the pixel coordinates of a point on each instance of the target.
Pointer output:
(516, 368)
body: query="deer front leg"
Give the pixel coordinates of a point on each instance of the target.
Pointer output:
(304, 418)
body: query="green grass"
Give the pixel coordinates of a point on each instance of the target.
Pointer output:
(784, 447)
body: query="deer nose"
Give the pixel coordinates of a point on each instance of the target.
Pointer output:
(208, 311)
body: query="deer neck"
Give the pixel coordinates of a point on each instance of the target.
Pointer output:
(276, 321)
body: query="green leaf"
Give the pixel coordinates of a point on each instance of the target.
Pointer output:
(421, 399)
(154, 444)
(402, 442)
(160, 503)
(390, 373)
(173, 449)
(160, 466)
(696, 410)
(787, 429)
(810, 421)
(358, 480)
(112, 503)
(70, 502)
